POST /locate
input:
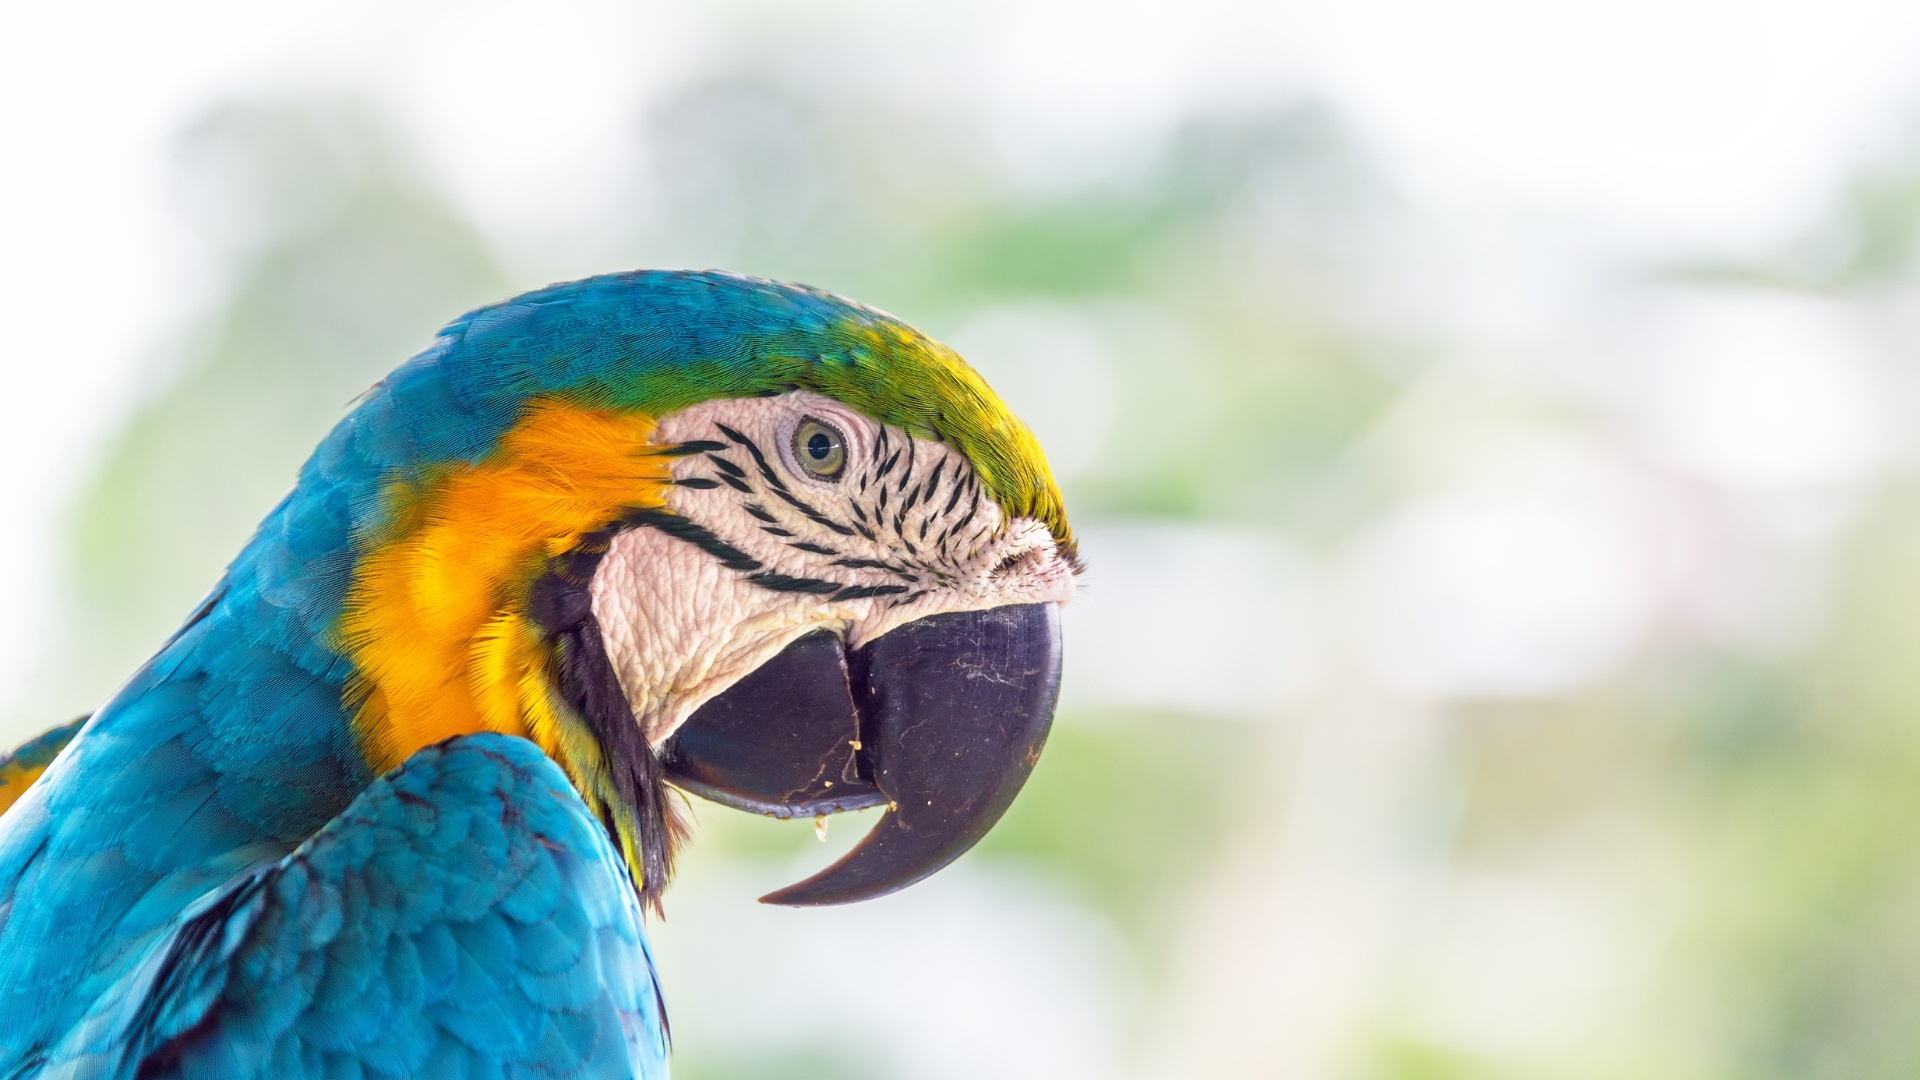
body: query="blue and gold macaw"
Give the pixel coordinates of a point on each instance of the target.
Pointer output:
(393, 800)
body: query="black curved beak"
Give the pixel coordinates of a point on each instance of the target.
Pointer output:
(940, 721)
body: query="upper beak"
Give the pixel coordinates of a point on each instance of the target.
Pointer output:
(940, 721)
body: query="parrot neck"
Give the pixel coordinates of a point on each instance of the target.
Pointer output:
(441, 626)
(435, 620)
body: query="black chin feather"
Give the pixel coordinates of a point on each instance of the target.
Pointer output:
(562, 604)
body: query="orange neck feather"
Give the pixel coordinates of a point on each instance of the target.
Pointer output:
(435, 619)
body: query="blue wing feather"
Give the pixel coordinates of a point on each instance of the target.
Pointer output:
(465, 916)
(233, 747)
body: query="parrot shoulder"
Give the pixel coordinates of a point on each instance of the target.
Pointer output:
(465, 913)
(21, 768)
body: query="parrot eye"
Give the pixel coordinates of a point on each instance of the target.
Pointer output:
(820, 448)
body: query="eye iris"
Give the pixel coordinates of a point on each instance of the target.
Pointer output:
(820, 448)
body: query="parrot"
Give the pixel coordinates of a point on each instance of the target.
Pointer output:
(400, 795)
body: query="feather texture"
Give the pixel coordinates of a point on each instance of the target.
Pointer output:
(21, 768)
(465, 917)
(148, 876)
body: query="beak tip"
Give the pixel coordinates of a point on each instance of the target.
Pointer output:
(799, 895)
(956, 747)
(953, 713)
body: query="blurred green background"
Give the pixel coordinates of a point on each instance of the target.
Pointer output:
(1497, 657)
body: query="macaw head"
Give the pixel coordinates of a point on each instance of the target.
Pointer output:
(778, 549)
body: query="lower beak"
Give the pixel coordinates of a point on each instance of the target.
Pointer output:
(940, 721)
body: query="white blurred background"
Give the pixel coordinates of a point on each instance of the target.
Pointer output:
(1488, 423)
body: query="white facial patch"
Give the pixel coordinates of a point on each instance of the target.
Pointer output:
(760, 550)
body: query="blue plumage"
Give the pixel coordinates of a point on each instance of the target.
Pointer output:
(211, 881)
(233, 746)
(465, 917)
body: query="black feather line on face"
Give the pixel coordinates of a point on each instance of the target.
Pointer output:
(681, 529)
(779, 488)
(784, 583)
(759, 459)
(861, 592)
(697, 446)
(953, 500)
(906, 474)
(933, 483)
(874, 564)
(813, 515)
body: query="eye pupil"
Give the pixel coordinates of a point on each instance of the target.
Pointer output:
(820, 448)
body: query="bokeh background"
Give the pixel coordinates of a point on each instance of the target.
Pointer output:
(1490, 423)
